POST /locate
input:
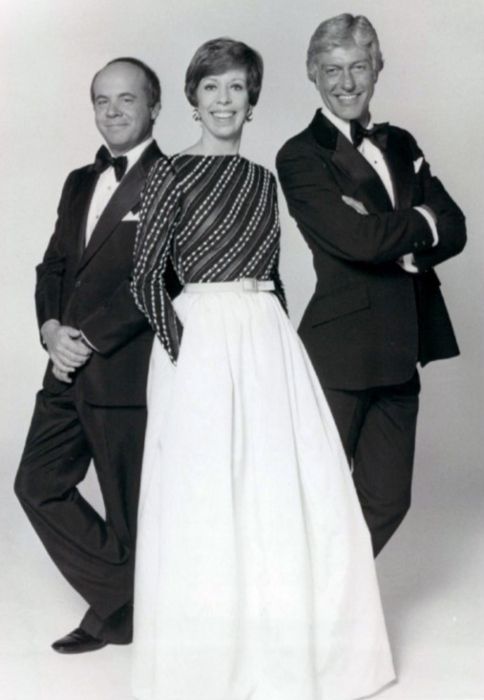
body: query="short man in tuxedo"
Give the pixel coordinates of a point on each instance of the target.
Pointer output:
(377, 222)
(92, 405)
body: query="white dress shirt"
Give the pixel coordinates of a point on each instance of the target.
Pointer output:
(104, 190)
(107, 185)
(376, 159)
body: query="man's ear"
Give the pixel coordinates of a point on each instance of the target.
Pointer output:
(155, 110)
(376, 73)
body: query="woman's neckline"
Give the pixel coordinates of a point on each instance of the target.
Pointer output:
(207, 155)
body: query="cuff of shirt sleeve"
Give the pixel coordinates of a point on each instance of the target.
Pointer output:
(407, 263)
(431, 222)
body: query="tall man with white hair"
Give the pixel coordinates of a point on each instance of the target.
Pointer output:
(377, 222)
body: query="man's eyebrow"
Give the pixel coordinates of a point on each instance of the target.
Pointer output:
(121, 94)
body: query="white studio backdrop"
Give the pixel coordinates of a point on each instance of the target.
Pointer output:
(431, 574)
(431, 85)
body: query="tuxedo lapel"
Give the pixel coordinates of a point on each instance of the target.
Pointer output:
(401, 170)
(125, 198)
(356, 170)
(79, 206)
(355, 175)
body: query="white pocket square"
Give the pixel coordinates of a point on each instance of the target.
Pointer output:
(130, 217)
(417, 164)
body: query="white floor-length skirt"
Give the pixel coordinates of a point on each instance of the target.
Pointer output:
(255, 577)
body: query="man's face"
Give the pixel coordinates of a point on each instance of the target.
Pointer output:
(346, 80)
(121, 106)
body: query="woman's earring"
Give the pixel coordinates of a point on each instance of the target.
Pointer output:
(196, 115)
(250, 115)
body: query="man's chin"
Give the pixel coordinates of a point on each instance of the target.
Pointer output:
(350, 114)
(118, 147)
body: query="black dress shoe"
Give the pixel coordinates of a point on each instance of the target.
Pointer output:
(77, 642)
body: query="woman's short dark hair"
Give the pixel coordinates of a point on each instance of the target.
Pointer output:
(153, 87)
(218, 56)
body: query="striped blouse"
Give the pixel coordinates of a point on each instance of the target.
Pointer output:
(216, 219)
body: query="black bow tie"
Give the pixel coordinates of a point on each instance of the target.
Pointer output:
(378, 134)
(104, 159)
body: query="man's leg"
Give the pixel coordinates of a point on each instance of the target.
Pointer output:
(377, 427)
(383, 461)
(349, 411)
(86, 548)
(116, 435)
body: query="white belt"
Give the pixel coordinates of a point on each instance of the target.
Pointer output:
(248, 284)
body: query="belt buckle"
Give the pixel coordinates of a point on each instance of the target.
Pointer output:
(249, 284)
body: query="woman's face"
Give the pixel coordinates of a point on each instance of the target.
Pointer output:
(223, 102)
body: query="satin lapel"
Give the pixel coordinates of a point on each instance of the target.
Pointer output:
(364, 180)
(401, 170)
(125, 198)
(355, 175)
(79, 206)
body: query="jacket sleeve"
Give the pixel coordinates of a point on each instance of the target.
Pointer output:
(115, 322)
(153, 249)
(451, 226)
(50, 272)
(314, 201)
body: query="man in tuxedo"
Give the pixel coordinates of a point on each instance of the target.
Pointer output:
(92, 405)
(377, 222)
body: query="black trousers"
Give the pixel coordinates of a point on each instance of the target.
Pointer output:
(377, 427)
(95, 555)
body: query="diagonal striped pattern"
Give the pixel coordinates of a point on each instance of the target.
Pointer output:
(216, 217)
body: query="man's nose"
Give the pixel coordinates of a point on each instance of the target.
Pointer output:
(348, 81)
(113, 109)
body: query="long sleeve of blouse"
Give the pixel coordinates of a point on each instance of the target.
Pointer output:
(153, 247)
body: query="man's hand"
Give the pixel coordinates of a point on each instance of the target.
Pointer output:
(66, 348)
(359, 207)
(61, 376)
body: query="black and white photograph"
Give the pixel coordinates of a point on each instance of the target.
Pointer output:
(243, 343)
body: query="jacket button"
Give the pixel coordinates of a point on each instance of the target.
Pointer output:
(78, 283)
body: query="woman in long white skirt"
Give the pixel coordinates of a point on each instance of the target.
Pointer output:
(255, 577)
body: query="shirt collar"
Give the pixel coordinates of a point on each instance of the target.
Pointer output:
(135, 153)
(341, 124)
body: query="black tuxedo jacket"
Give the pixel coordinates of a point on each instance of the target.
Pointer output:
(369, 322)
(88, 287)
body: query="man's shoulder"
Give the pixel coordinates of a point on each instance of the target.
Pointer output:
(76, 179)
(300, 142)
(80, 173)
(403, 135)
